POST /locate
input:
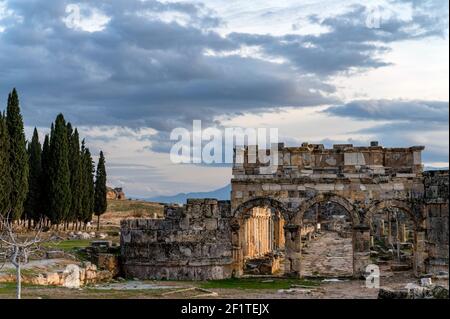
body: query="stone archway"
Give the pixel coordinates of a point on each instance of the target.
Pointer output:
(261, 202)
(352, 212)
(326, 197)
(392, 203)
(270, 226)
(419, 237)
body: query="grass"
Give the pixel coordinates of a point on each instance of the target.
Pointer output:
(257, 283)
(68, 245)
(9, 288)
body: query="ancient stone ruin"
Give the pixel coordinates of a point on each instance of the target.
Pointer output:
(372, 204)
(115, 193)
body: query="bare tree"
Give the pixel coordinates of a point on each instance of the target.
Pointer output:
(17, 249)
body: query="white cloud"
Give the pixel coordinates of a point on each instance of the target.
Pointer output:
(85, 18)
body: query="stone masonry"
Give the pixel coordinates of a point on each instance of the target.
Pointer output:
(191, 242)
(210, 239)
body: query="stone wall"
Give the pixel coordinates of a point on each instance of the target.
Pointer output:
(192, 242)
(437, 222)
(341, 159)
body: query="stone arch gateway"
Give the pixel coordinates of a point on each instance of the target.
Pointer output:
(202, 239)
(359, 179)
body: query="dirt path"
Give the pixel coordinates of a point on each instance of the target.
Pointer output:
(327, 255)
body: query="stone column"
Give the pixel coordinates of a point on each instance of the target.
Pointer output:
(266, 235)
(381, 230)
(420, 253)
(276, 236)
(236, 241)
(259, 235)
(270, 233)
(403, 233)
(253, 234)
(361, 249)
(293, 244)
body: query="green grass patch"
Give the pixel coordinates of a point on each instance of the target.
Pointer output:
(7, 287)
(68, 245)
(258, 283)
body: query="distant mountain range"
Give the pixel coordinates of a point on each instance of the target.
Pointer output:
(220, 194)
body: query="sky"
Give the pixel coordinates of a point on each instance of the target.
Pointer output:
(128, 72)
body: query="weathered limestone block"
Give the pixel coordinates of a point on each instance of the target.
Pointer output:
(72, 277)
(211, 223)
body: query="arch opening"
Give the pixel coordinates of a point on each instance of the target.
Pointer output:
(260, 237)
(327, 244)
(393, 237)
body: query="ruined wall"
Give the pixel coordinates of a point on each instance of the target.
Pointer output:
(437, 222)
(192, 242)
(341, 159)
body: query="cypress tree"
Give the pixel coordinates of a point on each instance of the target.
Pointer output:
(18, 157)
(60, 196)
(87, 204)
(5, 170)
(100, 203)
(33, 204)
(75, 174)
(45, 177)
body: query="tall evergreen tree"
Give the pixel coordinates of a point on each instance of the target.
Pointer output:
(18, 157)
(60, 196)
(75, 174)
(33, 204)
(100, 203)
(5, 169)
(45, 177)
(87, 203)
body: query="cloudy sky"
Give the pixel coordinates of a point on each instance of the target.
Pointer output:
(127, 72)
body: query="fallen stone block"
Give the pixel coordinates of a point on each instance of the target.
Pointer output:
(386, 293)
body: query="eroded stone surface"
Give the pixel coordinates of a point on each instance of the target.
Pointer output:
(328, 255)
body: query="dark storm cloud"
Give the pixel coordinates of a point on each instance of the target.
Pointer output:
(145, 71)
(138, 71)
(400, 110)
(142, 71)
